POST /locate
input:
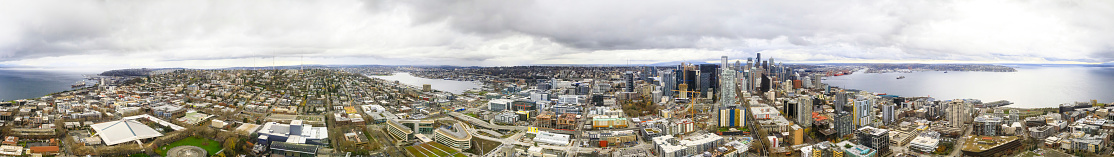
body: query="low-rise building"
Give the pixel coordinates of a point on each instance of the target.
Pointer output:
(455, 136)
(293, 149)
(926, 142)
(552, 138)
(668, 146)
(295, 132)
(398, 131)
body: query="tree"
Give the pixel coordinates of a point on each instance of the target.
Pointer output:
(230, 144)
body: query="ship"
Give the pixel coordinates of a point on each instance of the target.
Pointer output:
(78, 84)
(900, 77)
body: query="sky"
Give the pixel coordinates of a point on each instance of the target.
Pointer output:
(110, 34)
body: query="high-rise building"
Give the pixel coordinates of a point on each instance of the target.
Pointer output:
(843, 123)
(628, 78)
(709, 79)
(863, 112)
(727, 85)
(804, 111)
(887, 114)
(816, 80)
(668, 83)
(878, 139)
(840, 101)
(806, 82)
(958, 112)
(686, 81)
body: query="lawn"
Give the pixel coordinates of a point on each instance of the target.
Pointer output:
(209, 145)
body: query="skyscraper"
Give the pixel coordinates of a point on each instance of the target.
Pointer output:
(804, 111)
(709, 79)
(727, 84)
(628, 78)
(816, 80)
(958, 112)
(863, 112)
(887, 114)
(668, 83)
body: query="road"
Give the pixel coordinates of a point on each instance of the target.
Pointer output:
(959, 142)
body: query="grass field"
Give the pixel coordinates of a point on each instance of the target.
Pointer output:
(432, 149)
(209, 145)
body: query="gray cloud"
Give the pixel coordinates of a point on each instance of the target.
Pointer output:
(489, 32)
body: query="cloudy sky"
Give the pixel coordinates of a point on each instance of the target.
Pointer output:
(221, 33)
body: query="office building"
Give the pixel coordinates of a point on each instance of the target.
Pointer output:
(295, 132)
(709, 79)
(668, 83)
(454, 136)
(628, 80)
(878, 139)
(499, 104)
(398, 131)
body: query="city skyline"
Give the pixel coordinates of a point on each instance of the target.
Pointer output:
(215, 34)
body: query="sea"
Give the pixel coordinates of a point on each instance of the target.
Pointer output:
(451, 86)
(18, 84)
(1032, 86)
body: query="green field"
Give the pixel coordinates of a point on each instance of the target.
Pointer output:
(432, 149)
(209, 145)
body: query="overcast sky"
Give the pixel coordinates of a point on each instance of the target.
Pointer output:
(223, 33)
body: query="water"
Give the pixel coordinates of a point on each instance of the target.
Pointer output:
(451, 86)
(26, 84)
(1030, 87)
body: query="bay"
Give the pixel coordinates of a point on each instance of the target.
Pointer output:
(25, 84)
(1032, 86)
(452, 86)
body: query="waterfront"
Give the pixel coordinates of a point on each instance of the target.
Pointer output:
(451, 86)
(1032, 86)
(25, 84)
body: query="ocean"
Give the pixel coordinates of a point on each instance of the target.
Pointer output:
(27, 83)
(1032, 86)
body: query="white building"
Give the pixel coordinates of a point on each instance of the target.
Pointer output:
(116, 132)
(552, 138)
(668, 146)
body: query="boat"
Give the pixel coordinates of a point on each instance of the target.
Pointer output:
(900, 77)
(78, 84)
(945, 71)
